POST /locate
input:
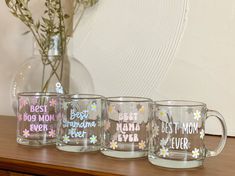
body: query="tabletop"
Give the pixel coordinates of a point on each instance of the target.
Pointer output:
(50, 161)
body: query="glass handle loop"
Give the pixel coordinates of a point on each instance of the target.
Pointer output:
(219, 148)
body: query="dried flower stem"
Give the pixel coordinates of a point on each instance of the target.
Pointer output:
(51, 24)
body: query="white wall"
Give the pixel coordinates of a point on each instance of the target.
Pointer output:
(14, 49)
(118, 34)
(204, 65)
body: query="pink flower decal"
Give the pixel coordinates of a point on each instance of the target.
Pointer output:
(26, 133)
(22, 102)
(19, 117)
(52, 102)
(52, 133)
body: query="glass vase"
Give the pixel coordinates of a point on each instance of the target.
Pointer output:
(51, 73)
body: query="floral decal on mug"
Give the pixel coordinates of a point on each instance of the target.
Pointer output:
(37, 116)
(197, 115)
(202, 134)
(177, 133)
(129, 126)
(164, 152)
(113, 144)
(80, 123)
(195, 153)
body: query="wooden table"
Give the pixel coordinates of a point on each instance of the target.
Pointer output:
(50, 161)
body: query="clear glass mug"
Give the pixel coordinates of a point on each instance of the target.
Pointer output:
(177, 134)
(37, 115)
(79, 128)
(125, 126)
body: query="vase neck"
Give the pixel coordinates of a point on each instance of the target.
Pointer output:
(55, 48)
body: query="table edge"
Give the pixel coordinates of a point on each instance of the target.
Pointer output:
(46, 169)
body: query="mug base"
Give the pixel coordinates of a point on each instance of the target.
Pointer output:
(124, 154)
(35, 142)
(76, 148)
(167, 163)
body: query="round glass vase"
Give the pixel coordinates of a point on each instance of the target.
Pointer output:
(50, 74)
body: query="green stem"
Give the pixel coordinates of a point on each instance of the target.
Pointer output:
(43, 76)
(34, 32)
(62, 38)
(42, 34)
(51, 74)
(36, 36)
(75, 9)
(78, 21)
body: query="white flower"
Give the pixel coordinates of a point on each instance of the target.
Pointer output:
(197, 115)
(66, 139)
(202, 134)
(155, 130)
(142, 145)
(93, 139)
(195, 153)
(163, 142)
(93, 106)
(164, 152)
(162, 113)
(113, 144)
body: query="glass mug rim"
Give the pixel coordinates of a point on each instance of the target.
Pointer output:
(179, 103)
(128, 99)
(76, 96)
(29, 94)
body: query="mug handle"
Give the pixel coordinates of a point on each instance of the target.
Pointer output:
(219, 148)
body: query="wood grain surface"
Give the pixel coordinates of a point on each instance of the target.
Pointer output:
(50, 161)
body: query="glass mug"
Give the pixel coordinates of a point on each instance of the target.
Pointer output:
(37, 118)
(79, 129)
(177, 133)
(125, 126)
